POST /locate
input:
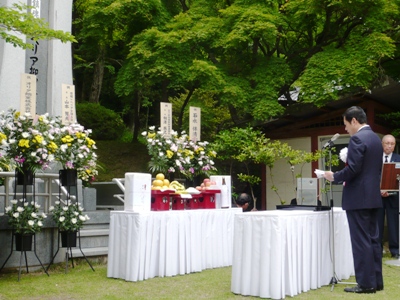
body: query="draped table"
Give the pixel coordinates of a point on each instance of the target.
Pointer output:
(286, 252)
(168, 243)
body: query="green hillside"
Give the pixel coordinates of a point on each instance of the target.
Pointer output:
(117, 158)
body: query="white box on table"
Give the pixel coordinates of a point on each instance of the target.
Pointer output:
(224, 199)
(137, 192)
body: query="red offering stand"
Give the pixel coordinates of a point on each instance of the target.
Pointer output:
(178, 203)
(208, 200)
(193, 203)
(160, 199)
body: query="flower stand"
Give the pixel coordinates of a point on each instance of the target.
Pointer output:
(68, 190)
(208, 199)
(160, 200)
(24, 242)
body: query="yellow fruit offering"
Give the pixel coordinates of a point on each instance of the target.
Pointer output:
(166, 182)
(160, 176)
(158, 182)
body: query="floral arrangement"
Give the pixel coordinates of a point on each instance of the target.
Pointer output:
(24, 217)
(68, 216)
(76, 151)
(178, 154)
(26, 141)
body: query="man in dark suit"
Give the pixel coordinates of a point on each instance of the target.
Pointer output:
(362, 199)
(390, 201)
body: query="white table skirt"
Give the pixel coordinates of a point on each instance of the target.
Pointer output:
(168, 243)
(279, 253)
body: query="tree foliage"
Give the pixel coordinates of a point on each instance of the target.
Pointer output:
(17, 19)
(248, 54)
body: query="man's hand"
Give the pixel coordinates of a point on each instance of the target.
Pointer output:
(328, 175)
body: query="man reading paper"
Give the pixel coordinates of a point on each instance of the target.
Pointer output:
(362, 199)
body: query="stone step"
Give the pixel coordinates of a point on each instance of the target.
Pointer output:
(94, 232)
(97, 251)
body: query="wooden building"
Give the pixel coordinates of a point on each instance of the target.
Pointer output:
(308, 128)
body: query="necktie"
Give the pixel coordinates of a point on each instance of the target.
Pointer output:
(386, 158)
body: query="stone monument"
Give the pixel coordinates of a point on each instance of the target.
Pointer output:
(50, 61)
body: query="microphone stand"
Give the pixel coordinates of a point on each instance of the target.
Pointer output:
(334, 279)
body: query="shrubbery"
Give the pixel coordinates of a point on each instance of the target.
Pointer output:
(105, 123)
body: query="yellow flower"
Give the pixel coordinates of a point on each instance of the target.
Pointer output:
(23, 143)
(199, 149)
(151, 135)
(17, 114)
(67, 139)
(90, 142)
(52, 146)
(38, 139)
(2, 136)
(170, 153)
(80, 135)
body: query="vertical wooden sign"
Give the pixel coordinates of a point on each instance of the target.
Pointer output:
(28, 94)
(68, 104)
(195, 123)
(166, 118)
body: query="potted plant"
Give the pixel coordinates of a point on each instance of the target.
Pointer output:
(76, 152)
(69, 218)
(25, 220)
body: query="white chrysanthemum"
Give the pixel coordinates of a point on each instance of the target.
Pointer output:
(31, 223)
(62, 219)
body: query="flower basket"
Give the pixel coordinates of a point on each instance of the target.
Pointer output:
(68, 177)
(68, 239)
(24, 216)
(68, 216)
(23, 242)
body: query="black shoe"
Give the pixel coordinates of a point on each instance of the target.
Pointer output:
(395, 255)
(360, 290)
(379, 288)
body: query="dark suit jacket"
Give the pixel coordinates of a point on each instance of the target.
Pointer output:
(362, 174)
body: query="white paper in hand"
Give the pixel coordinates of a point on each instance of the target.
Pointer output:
(319, 173)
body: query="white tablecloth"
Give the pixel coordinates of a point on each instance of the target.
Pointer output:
(279, 253)
(167, 243)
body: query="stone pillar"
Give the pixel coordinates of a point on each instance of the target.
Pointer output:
(50, 61)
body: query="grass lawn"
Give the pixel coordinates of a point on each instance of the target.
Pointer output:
(82, 283)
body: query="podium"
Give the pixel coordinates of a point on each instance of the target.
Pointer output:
(390, 179)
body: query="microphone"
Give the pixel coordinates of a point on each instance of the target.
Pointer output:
(330, 142)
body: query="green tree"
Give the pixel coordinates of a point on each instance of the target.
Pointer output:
(17, 19)
(104, 30)
(250, 146)
(250, 55)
